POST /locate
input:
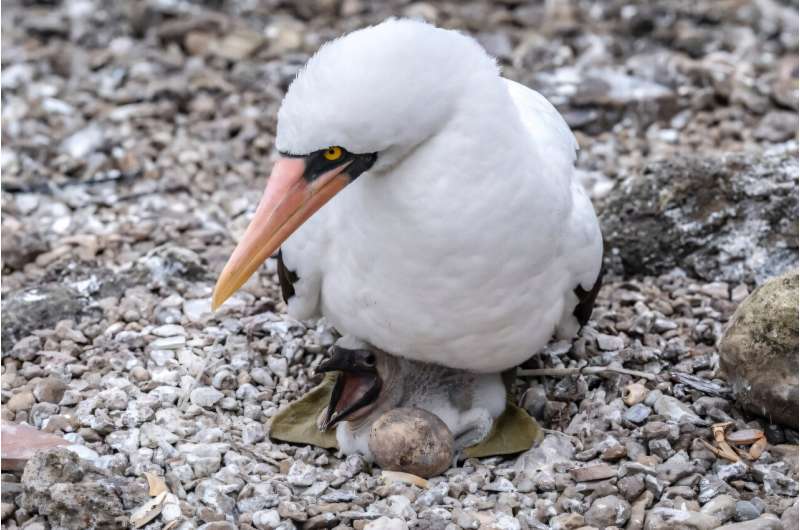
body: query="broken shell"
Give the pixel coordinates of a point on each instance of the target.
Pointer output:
(719, 431)
(406, 478)
(413, 441)
(757, 448)
(745, 436)
(634, 393)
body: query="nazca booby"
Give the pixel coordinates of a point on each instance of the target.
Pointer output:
(425, 204)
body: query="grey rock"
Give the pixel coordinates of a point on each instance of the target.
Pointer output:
(266, 519)
(278, 365)
(638, 511)
(213, 494)
(631, 486)
(169, 343)
(465, 519)
(37, 308)
(658, 430)
(386, 523)
(593, 472)
(669, 519)
(711, 486)
(552, 450)
(204, 459)
(83, 142)
(218, 525)
(168, 330)
(224, 380)
(745, 511)
(196, 310)
(672, 472)
(252, 433)
(654, 486)
(21, 401)
(661, 448)
(596, 98)
(705, 210)
(762, 523)
(732, 471)
(301, 474)
(703, 405)
(758, 352)
(544, 481)
(500, 484)
(21, 247)
(153, 435)
(609, 342)
(322, 520)
(723, 507)
(774, 479)
(262, 376)
(434, 495)
(608, 511)
(292, 510)
(70, 493)
(49, 390)
(676, 411)
(162, 357)
(777, 126)
(205, 396)
(171, 264)
(637, 413)
(789, 518)
(567, 521)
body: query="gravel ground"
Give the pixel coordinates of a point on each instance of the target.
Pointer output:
(136, 137)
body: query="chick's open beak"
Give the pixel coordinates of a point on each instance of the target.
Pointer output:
(288, 201)
(357, 386)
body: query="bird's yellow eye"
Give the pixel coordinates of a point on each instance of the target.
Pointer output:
(333, 153)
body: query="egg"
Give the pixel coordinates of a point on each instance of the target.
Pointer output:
(413, 441)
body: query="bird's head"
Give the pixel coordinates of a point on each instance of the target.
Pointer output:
(366, 383)
(362, 104)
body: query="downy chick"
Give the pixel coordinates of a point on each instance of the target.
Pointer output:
(371, 382)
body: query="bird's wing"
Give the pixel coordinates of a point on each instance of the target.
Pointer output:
(582, 248)
(543, 121)
(286, 277)
(300, 267)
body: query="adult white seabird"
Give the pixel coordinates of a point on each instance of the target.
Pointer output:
(425, 204)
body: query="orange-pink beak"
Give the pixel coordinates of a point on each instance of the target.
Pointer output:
(288, 201)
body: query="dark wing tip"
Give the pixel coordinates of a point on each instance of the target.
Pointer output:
(586, 299)
(286, 277)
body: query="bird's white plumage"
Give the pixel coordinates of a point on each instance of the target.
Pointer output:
(463, 244)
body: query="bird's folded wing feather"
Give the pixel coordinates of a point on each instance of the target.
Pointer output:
(583, 242)
(543, 121)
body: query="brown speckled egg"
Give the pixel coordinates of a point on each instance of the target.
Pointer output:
(413, 441)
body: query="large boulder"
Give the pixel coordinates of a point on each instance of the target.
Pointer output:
(721, 218)
(759, 350)
(72, 493)
(40, 307)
